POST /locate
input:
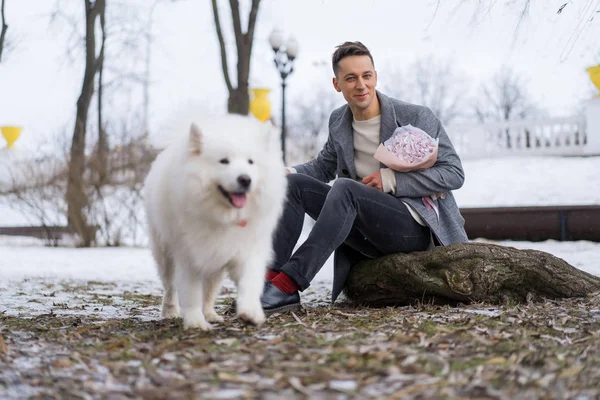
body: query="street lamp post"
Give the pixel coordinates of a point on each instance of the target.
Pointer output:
(284, 61)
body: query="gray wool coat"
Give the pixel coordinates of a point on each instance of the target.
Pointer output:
(336, 159)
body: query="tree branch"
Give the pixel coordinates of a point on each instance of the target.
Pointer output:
(237, 24)
(222, 47)
(99, 10)
(521, 18)
(245, 41)
(4, 29)
(102, 149)
(252, 23)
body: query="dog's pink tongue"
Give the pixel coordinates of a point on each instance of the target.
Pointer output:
(238, 199)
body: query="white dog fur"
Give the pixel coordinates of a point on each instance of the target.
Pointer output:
(202, 226)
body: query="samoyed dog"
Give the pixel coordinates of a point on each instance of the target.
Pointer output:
(213, 198)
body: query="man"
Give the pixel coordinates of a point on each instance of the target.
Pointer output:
(370, 210)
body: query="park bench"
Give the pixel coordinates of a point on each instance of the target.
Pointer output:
(40, 232)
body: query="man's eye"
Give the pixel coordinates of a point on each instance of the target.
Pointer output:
(224, 161)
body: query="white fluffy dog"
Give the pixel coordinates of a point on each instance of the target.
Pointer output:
(213, 198)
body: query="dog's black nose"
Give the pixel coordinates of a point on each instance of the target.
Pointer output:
(244, 181)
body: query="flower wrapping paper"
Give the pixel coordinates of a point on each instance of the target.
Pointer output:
(408, 149)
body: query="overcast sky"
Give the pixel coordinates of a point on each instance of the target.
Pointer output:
(39, 85)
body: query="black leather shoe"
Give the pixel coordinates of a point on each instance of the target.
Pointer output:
(232, 309)
(274, 300)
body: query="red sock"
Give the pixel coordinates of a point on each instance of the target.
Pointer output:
(284, 283)
(271, 273)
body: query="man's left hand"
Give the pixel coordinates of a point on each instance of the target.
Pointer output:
(374, 180)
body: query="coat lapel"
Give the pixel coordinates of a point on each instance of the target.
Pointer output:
(344, 134)
(388, 118)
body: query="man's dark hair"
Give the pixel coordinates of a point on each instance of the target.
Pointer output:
(348, 49)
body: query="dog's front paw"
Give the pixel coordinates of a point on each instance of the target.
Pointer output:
(191, 323)
(195, 319)
(170, 311)
(212, 316)
(254, 315)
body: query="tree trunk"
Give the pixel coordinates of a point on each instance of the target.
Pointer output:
(102, 150)
(76, 196)
(4, 29)
(239, 99)
(466, 272)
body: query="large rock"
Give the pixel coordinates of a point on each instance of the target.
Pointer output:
(466, 272)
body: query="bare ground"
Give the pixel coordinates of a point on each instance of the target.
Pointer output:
(88, 340)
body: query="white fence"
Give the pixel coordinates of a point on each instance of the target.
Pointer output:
(575, 136)
(558, 136)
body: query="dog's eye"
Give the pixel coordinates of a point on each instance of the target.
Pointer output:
(224, 161)
(250, 161)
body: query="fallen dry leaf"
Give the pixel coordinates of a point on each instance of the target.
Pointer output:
(3, 346)
(298, 319)
(226, 342)
(227, 377)
(61, 363)
(118, 343)
(570, 372)
(297, 384)
(496, 360)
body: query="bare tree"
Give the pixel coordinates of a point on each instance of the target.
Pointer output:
(239, 100)
(36, 187)
(431, 82)
(505, 98)
(76, 196)
(108, 78)
(4, 28)
(309, 122)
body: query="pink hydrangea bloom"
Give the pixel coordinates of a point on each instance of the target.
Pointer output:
(411, 144)
(408, 149)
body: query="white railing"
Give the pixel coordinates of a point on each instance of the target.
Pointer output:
(557, 136)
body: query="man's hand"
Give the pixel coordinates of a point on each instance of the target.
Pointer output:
(374, 180)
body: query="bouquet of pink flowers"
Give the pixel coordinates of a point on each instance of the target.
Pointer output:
(408, 149)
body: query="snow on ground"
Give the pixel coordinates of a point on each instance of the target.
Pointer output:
(37, 279)
(103, 282)
(530, 181)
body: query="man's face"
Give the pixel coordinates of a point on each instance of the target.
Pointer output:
(356, 79)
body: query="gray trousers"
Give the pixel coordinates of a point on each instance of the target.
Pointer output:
(370, 221)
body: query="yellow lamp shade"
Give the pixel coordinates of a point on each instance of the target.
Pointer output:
(11, 134)
(595, 75)
(260, 105)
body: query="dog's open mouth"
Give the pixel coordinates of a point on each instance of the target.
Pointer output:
(237, 199)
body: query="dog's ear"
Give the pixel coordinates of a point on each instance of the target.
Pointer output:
(195, 142)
